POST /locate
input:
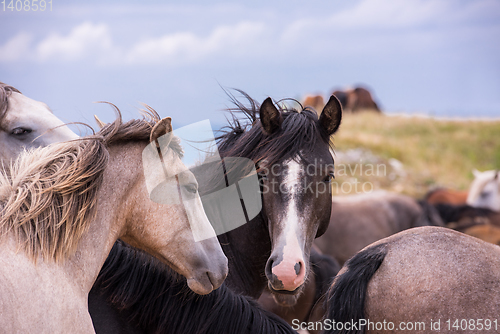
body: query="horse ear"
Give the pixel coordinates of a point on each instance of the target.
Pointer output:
(331, 115)
(270, 117)
(161, 128)
(100, 123)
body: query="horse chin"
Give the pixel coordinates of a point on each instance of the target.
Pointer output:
(286, 298)
(200, 285)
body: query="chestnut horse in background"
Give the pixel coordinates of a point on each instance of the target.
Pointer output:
(446, 196)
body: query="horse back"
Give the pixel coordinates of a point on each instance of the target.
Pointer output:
(419, 275)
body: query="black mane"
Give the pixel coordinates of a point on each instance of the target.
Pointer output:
(156, 300)
(244, 138)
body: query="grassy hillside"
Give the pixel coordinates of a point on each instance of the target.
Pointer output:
(432, 152)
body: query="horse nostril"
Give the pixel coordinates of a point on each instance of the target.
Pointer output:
(297, 268)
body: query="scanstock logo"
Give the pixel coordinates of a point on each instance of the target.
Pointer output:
(227, 188)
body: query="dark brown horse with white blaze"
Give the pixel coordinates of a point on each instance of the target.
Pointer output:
(426, 278)
(292, 151)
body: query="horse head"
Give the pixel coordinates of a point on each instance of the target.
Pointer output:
(26, 123)
(296, 191)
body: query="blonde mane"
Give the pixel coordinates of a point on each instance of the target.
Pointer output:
(48, 195)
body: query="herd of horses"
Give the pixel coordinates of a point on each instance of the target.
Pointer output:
(85, 250)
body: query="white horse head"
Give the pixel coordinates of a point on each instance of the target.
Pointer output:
(26, 123)
(485, 190)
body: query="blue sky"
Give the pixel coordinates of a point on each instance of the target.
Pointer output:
(440, 57)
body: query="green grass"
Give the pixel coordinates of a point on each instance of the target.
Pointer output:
(433, 152)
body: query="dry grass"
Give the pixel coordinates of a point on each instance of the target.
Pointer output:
(433, 152)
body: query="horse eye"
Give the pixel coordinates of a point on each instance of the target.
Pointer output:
(21, 131)
(330, 177)
(192, 188)
(263, 175)
(484, 194)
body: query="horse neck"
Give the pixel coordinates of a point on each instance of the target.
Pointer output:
(247, 248)
(96, 243)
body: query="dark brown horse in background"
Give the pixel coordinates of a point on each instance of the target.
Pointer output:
(357, 99)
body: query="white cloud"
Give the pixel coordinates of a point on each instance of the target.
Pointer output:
(187, 47)
(94, 41)
(84, 40)
(372, 27)
(17, 48)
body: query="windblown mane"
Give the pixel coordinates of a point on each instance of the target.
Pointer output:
(156, 300)
(5, 91)
(299, 131)
(48, 195)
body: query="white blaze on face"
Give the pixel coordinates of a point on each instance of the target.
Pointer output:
(198, 220)
(290, 271)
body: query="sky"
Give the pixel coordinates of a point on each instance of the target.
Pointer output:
(438, 57)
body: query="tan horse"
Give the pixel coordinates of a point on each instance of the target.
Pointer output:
(65, 205)
(26, 123)
(424, 280)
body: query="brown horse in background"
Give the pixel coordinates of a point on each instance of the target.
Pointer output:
(446, 196)
(478, 222)
(357, 99)
(315, 101)
(359, 220)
